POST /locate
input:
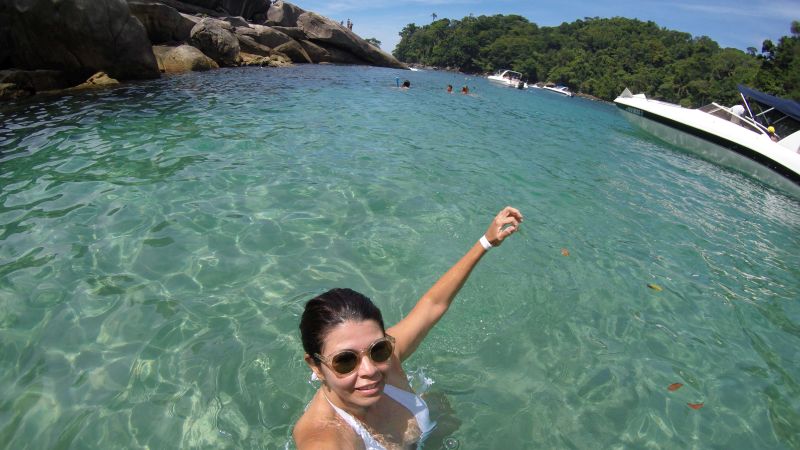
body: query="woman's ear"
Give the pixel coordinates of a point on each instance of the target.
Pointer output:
(314, 367)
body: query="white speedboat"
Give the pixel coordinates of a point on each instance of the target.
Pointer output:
(563, 90)
(737, 137)
(509, 78)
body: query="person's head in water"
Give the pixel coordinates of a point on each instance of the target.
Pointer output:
(449, 88)
(333, 308)
(346, 345)
(465, 89)
(406, 84)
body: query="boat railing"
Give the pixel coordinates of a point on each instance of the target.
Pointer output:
(724, 113)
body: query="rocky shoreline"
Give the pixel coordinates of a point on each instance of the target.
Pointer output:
(48, 45)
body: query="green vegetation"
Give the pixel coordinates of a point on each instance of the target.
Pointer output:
(374, 42)
(601, 57)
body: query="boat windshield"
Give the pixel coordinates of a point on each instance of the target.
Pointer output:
(726, 114)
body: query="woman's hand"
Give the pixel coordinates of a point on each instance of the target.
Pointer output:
(505, 223)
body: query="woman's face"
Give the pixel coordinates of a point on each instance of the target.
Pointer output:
(363, 386)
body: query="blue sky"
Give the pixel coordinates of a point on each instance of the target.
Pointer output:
(732, 23)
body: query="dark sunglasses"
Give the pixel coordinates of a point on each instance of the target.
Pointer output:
(346, 361)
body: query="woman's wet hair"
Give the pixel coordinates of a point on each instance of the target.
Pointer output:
(330, 309)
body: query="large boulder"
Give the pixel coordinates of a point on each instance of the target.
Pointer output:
(294, 51)
(263, 35)
(215, 38)
(245, 8)
(35, 80)
(293, 32)
(183, 58)
(283, 14)
(186, 7)
(79, 37)
(163, 23)
(323, 30)
(315, 52)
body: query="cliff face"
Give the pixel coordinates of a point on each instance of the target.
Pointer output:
(47, 44)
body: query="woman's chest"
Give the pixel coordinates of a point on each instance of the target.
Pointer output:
(393, 425)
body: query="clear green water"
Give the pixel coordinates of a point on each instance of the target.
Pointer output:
(158, 242)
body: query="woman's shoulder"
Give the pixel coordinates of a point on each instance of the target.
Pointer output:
(322, 428)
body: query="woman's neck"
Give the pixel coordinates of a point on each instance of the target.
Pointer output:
(359, 412)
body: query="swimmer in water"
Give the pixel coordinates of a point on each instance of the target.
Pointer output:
(365, 400)
(449, 88)
(465, 89)
(406, 84)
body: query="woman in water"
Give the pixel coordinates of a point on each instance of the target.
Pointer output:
(365, 401)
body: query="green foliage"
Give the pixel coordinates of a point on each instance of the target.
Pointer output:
(374, 42)
(601, 57)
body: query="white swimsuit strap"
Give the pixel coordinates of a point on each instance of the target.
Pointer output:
(415, 404)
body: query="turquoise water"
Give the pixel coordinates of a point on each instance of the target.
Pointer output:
(158, 242)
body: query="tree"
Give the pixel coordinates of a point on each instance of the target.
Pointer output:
(374, 42)
(601, 57)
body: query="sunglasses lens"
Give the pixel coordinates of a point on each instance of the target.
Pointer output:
(345, 362)
(381, 351)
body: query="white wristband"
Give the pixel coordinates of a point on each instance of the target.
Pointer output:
(485, 243)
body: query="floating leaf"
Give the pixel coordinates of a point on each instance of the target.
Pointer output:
(564, 252)
(655, 287)
(675, 386)
(695, 405)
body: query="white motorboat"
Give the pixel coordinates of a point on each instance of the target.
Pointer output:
(509, 78)
(760, 137)
(563, 90)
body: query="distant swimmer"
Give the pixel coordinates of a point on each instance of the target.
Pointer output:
(406, 84)
(465, 89)
(449, 88)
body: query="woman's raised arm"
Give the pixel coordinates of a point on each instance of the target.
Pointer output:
(410, 331)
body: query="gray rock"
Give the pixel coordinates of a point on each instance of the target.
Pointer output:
(11, 91)
(183, 58)
(283, 14)
(263, 35)
(186, 7)
(215, 39)
(315, 52)
(79, 37)
(35, 80)
(245, 8)
(339, 56)
(294, 51)
(323, 30)
(274, 60)
(163, 23)
(249, 45)
(293, 32)
(100, 79)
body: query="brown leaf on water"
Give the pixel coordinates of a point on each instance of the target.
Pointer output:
(655, 287)
(695, 405)
(675, 386)
(564, 252)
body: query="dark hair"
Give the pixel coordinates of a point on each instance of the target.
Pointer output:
(330, 309)
(406, 83)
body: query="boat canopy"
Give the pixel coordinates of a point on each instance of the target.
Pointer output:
(789, 107)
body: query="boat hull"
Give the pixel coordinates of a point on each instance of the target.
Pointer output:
(715, 149)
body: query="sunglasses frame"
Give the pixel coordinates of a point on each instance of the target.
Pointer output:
(328, 361)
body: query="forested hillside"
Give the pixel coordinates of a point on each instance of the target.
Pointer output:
(601, 57)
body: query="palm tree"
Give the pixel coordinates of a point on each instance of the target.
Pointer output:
(434, 16)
